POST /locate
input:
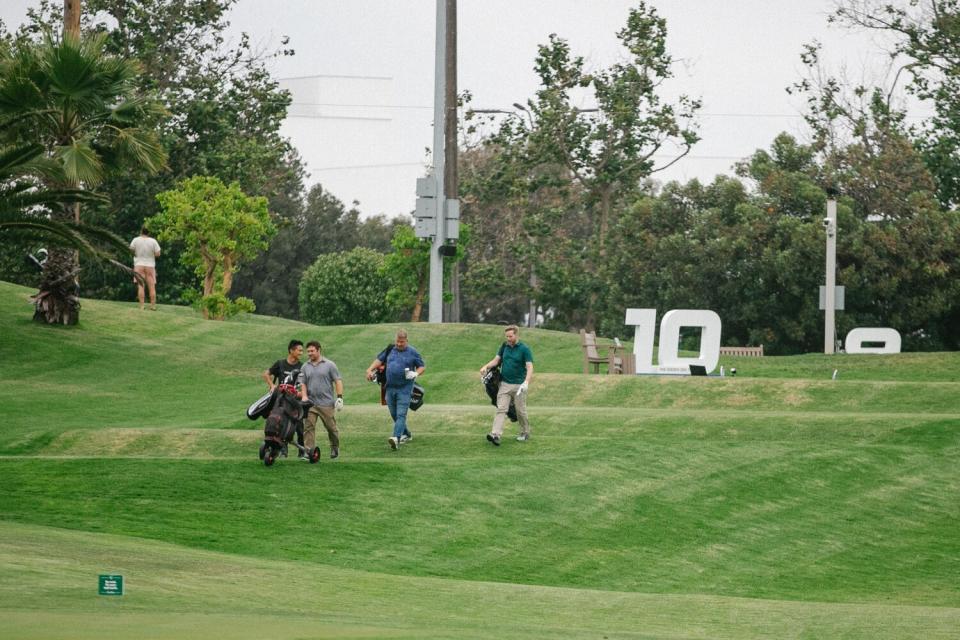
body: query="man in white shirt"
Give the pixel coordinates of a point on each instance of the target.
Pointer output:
(145, 251)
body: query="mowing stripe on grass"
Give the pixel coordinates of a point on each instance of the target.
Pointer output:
(175, 592)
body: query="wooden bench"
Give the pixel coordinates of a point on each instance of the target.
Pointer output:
(749, 352)
(591, 357)
(617, 360)
(620, 361)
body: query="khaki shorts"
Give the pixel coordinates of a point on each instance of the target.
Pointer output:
(149, 274)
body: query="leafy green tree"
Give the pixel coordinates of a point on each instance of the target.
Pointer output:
(320, 225)
(408, 270)
(611, 150)
(223, 115)
(925, 38)
(518, 231)
(220, 228)
(81, 104)
(345, 288)
(861, 143)
(489, 203)
(605, 152)
(757, 258)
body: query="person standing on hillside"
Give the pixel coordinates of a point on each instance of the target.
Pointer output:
(323, 386)
(516, 368)
(401, 365)
(280, 371)
(145, 250)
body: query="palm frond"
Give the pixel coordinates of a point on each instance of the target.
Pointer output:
(20, 198)
(19, 94)
(81, 164)
(140, 147)
(96, 242)
(19, 156)
(133, 111)
(58, 233)
(73, 89)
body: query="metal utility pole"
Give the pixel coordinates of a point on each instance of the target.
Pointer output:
(451, 183)
(829, 324)
(450, 177)
(71, 17)
(445, 186)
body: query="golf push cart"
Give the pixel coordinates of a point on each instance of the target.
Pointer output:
(284, 412)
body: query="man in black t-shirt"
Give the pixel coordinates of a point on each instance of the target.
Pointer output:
(277, 374)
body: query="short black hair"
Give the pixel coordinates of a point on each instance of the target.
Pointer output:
(144, 230)
(314, 343)
(293, 345)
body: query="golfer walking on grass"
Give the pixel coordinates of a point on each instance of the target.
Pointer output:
(324, 388)
(401, 364)
(516, 368)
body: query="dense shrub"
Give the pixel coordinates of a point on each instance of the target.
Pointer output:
(345, 288)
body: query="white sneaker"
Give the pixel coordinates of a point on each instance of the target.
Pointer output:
(523, 437)
(394, 443)
(404, 439)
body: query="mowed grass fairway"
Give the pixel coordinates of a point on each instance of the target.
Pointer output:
(777, 504)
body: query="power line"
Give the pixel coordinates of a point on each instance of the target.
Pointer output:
(705, 114)
(342, 77)
(750, 115)
(319, 117)
(423, 164)
(370, 166)
(362, 106)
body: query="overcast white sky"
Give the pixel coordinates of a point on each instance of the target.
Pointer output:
(362, 76)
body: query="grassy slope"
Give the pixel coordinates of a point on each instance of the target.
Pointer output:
(763, 487)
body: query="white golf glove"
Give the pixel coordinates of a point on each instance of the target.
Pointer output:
(411, 375)
(338, 405)
(523, 387)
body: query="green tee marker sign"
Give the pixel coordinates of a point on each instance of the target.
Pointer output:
(110, 585)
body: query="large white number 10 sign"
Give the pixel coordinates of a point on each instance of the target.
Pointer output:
(668, 358)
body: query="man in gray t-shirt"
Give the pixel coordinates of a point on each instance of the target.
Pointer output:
(324, 388)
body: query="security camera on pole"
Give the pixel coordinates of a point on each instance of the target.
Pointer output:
(438, 209)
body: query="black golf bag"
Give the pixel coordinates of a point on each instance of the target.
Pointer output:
(285, 416)
(491, 383)
(284, 413)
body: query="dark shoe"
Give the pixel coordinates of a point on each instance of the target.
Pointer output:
(334, 452)
(493, 439)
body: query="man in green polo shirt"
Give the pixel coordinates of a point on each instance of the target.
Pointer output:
(516, 370)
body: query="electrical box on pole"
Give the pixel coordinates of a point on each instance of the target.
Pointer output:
(452, 220)
(426, 211)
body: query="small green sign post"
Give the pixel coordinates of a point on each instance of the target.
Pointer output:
(109, 585)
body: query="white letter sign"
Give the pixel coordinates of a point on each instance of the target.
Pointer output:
(645, 320)
(668, 357)
(889, 337)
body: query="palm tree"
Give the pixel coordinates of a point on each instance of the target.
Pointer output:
(80, 105)
(25, 210)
